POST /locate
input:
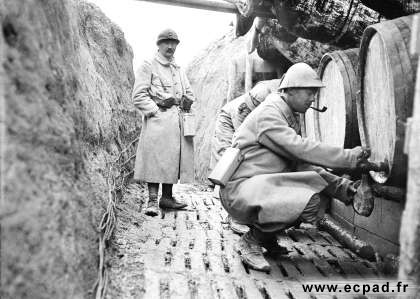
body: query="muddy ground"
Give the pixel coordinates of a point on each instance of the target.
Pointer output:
(190, 254)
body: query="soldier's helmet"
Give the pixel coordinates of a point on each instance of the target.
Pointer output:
(301, 75)
(260, 91)
(167, 34)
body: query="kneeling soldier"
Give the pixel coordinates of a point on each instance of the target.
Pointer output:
(277, 185)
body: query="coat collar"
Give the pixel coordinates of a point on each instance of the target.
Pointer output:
(164, 61)
(292, 117)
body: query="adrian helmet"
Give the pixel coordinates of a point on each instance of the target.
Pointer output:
(167, 34)
(301, 75)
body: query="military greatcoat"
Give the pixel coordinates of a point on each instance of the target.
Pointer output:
(274, 183)
(164, 155)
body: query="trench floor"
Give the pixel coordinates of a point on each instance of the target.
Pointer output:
(190, 254)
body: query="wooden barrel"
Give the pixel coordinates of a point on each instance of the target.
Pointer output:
(338, 125)
(386, 74)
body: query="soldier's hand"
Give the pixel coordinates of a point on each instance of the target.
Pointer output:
(186, 103)
(362, 153)
(167, 103)
(363, 165)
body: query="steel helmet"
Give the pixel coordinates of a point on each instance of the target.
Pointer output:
(258, 93)
(167, 34)
(301, 75)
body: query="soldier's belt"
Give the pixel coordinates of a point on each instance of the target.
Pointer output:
(164, 103)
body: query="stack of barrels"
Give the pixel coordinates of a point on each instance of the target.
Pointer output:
(369, 94)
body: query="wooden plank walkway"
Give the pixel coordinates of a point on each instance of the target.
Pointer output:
(189, 254)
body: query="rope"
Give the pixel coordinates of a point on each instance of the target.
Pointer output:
(116, 181)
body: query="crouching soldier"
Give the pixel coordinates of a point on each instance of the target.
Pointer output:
(277, 185)
(164, 155)
(229, 119)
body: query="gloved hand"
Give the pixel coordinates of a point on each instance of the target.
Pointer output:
(186, 103)
(362, 153)
(166, 103)
(364, 165)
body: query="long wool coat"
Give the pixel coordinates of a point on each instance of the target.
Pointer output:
(274, 183)
(164, 155)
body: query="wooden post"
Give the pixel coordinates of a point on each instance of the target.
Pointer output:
(248, 72)
(410, 225)
(2, 127)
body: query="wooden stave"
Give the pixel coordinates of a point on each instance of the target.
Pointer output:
(403, 72)
(347, 62)
(351, 57)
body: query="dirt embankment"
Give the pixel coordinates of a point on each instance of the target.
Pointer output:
(67, 73)
(208, 75)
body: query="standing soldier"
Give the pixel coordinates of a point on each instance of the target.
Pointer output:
(162, 93)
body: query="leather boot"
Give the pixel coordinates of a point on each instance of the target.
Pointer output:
(268, 241)
(237, 228)
(251, 253)
(167, 201)
(274, 248)
(171, 203)
(152, 208)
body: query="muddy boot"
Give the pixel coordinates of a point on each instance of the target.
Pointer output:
(152, 208)
(237, 228)
(251, 253)
(171, 203)
(167, 201)
(273, 247)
